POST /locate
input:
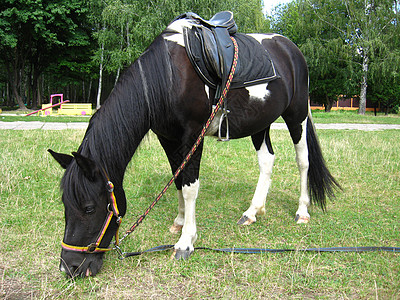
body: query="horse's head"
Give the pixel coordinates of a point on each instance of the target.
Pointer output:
(91, 215)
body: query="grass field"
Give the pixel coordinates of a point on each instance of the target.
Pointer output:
(366, 213)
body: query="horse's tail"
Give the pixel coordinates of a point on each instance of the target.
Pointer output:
(320, 181)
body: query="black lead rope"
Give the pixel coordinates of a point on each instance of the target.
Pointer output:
(265, 250)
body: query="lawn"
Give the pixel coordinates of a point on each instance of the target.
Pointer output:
(366, 213)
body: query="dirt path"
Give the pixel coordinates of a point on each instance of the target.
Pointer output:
(61, 126)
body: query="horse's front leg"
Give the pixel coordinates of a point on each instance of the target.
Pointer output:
(180, 218)
(187, 185)
(187, 206)
(184, 247)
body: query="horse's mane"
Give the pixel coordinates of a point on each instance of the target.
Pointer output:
(142, 96)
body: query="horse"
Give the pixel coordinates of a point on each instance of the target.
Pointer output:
(162, 92)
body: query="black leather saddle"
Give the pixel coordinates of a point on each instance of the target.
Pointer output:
(210, 50)
(213, 37)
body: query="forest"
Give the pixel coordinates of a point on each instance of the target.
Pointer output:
(80, 47)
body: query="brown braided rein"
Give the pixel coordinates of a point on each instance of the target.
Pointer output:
(194, 148)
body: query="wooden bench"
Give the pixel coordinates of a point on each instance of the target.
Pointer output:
(75, 109)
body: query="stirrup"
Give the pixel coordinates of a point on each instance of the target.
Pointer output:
(224, 115)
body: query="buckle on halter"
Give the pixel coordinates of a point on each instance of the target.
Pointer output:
(91, 248)
(110, 187)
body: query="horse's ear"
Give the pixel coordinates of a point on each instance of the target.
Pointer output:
(63, 159)
(87, 165)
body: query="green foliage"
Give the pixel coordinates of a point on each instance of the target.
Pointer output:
(37, 34)
(62, 42)
(336, 36)
(129, 26)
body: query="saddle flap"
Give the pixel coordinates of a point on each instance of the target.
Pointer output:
(210, 50)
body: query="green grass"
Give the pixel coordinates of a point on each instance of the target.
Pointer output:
(343, 116)
(366, 213)
(63, 119)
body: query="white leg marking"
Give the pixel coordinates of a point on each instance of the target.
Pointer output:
(266, 163)
(302, 214)
(259, 92)
(180, 218)
(189, 231)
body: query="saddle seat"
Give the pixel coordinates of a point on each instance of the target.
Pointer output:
(223, 19)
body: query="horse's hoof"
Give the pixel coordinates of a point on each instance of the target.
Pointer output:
(302, 219)
(181, 254)
(245, 220)
(175, 229)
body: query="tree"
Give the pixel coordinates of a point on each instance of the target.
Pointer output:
(65, 45)
(35, 34)
(324, 47)
(347, 39)
(368, 30)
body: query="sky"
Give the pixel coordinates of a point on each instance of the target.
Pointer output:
(270, 4)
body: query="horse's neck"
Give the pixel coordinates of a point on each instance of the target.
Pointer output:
(112, 139)
(142, 96)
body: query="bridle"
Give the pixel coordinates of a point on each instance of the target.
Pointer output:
(112, 212)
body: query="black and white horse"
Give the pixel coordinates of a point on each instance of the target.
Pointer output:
(162, 92)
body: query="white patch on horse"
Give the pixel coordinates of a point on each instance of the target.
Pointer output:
(207, 89)
(259, 92)
(264, 36)
(214, 126)
(303, 164)
(177, 26)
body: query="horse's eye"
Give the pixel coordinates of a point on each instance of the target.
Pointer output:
(90, 210)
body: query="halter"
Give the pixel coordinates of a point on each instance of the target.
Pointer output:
(112, 212)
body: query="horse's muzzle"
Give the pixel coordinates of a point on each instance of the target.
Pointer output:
(80, 265)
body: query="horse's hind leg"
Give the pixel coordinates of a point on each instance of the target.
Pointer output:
(266, 157)
(298, 134)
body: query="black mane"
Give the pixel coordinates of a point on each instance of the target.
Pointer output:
(142, 96)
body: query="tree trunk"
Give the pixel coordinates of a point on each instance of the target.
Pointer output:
(89, 91)
(15, 84)
(100, 77)
(328, 105)
(363, 93)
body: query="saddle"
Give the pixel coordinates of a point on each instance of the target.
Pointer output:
(211, 51)
(216, 45)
